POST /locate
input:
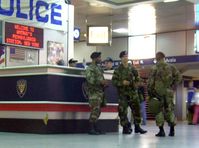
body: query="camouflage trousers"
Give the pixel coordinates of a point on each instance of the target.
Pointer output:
(166, 113)
(134, 104)
(96, 101)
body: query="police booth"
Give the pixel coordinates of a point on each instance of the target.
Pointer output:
(37, 95)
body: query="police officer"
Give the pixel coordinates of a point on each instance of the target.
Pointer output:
(162, 81)
(72, 62)
(95, 83)
(125, 78)
(108, 64)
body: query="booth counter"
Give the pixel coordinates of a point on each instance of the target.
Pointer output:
(50, 99)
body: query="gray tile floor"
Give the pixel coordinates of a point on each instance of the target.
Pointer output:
(186, 136)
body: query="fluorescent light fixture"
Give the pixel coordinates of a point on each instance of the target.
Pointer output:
(96, 4)
(142, 20)
(167, 1)
(121, 30)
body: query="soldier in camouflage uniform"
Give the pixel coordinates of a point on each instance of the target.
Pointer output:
(95, 83)
(125, 78)
(162, 81)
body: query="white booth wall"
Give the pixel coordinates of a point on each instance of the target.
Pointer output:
(82, 51)
(55, 36)
(62, 33)
(39, 55)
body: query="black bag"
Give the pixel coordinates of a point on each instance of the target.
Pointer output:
(190, 108)
(154, 105)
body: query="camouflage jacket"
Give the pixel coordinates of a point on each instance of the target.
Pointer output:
(130, 74)
(94, 76)
(163, 78)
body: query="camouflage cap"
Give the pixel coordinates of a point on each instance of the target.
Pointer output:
(123, 53)
(95, 55)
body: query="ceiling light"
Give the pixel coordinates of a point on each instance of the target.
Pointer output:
(96, 4)
(166, 1)
(120, 30)
(139, 16)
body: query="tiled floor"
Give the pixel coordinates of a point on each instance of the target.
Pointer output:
(187, 136)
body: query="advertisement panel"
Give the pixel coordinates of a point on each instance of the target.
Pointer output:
(55, 52)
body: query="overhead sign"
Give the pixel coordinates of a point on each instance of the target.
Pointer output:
(22, 35)
(98, 35)
(42, 13)
(173, 59)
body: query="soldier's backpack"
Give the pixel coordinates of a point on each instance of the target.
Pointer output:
(163, 79)
(154, 105)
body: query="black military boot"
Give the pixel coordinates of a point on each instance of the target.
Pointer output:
(97, 129)
(92, 130)
(129, 126)
(126, 130)
(172, 131)
(138, 129)
(161, 132)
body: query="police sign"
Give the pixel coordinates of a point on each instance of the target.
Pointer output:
(43, 13)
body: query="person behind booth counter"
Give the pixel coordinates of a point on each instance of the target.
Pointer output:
(162, 82)
(95, 91)
(191, 90)
(72, 62)
(108, 63)
(125, 78)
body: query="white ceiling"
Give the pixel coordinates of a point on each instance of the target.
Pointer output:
(169, 16)
(172, 16)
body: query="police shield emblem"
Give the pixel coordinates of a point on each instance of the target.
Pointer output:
(21, 87)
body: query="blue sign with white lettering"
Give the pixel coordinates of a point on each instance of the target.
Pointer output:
(39, 11)
(172, 59)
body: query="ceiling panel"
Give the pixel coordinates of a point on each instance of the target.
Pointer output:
(169, 16)
(121, 2)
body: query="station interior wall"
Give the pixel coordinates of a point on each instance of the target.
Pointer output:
(178, 43)
(172, 44)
